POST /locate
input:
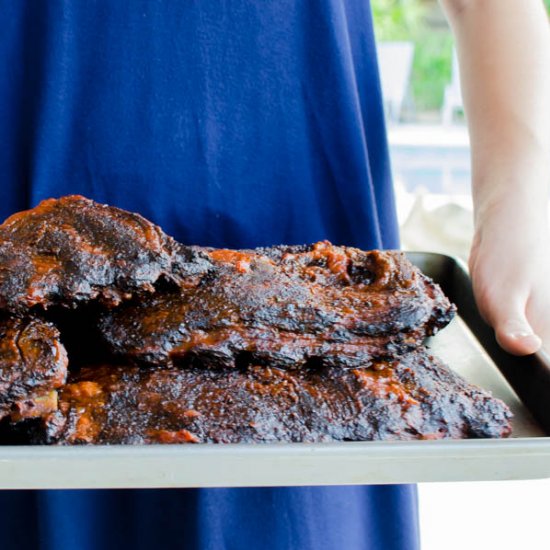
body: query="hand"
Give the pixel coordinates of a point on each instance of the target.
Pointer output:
(510, 268)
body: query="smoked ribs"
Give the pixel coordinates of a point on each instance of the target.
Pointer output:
(72, 250)
(416, 397)
(111, 332)
(337, 306)
(33, 364)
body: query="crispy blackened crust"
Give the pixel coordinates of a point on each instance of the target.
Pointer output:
(415, 398)
(321, 303)
(72, 250)
(33, 364)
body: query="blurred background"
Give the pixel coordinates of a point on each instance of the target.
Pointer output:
(431, 167)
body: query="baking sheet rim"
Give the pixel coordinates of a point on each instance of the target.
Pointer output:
(450, 460)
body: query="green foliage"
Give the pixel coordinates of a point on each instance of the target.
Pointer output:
(432, 64)
(397, 19)
(431, 72)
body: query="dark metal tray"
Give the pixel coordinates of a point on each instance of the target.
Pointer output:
(467, 345)
(528, 376)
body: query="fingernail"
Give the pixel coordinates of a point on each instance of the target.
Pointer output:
(517, 329)
(518, 335)
(528, 339)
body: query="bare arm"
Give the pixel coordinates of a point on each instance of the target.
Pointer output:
(504, 57)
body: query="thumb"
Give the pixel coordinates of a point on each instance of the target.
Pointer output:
(505, 312)
(514, 333)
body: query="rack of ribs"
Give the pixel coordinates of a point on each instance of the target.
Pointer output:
(338, 306)
(288, 343)
(72, 250)
(33, 364)
(416, 397)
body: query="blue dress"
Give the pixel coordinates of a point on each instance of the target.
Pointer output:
(229, 123)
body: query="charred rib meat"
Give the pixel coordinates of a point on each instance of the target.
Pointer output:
(71, 250)
(286, 318)
(415, 398)
(33, 364)
(289, 305)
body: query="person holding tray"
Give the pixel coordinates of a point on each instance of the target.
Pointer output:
(240, 124)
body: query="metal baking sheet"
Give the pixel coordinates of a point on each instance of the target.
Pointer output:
(467, 345)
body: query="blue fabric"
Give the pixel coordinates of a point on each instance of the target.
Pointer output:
(306, 518)
(229, 123)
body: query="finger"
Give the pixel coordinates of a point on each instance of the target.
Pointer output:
(515, 334)
(504, 307)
